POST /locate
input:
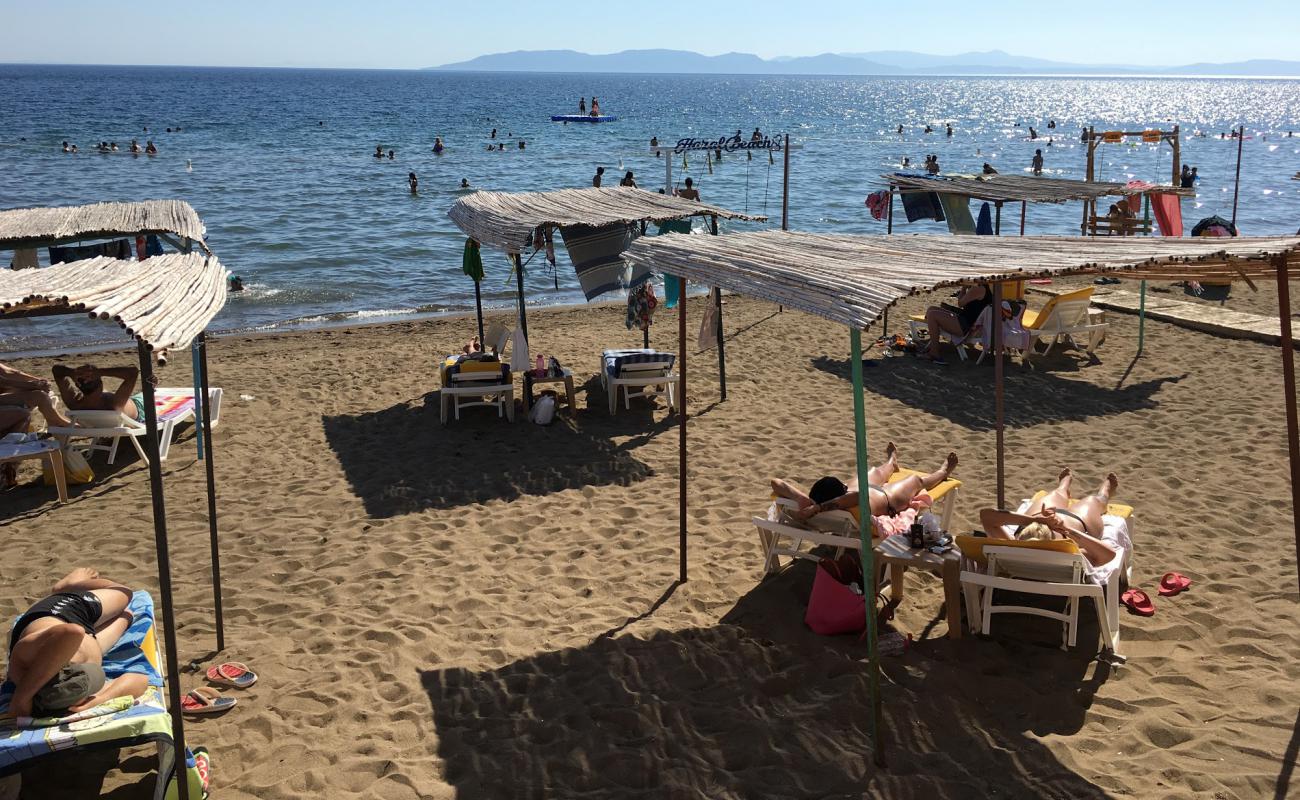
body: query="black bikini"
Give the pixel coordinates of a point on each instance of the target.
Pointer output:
(1067, 513)
(80, 608)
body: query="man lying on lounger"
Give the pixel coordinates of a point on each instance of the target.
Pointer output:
(82, 389)
(1055, 516)
(57, 648)
(19, 394)
(886, 499)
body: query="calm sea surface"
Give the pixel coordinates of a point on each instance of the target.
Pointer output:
(321, 231)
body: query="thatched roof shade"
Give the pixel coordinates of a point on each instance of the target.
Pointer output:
(506, 220)
(853, 279)
(40, 227)
(1016, 188)
(164, 301)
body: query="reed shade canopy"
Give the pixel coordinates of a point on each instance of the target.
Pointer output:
(36, 227)
(507, 220)
(854, 279)
(1018, 188)
(163, 302)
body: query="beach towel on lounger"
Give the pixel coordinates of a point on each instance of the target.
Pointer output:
(114, 724)
(1114, 533)
(615, 360)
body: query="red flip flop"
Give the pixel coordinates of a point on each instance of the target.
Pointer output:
(1138, 602)
(1173, 583)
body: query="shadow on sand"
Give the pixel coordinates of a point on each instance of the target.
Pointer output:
(401, 460)
(758, 706)
(963, 392)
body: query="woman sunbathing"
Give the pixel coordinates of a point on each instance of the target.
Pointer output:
(1056, 516)
(886, 499)
(57, 647)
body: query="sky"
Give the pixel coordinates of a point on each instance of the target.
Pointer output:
(403, 34)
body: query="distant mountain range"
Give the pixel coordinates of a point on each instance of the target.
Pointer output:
(880, 62)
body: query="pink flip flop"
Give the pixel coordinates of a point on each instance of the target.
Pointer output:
(1173, 583)
(206, 700)
(233, 674)
(1138, 602)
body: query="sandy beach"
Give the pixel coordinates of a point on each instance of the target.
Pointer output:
(486, 610)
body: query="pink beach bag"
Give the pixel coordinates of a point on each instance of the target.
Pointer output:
(833, 608)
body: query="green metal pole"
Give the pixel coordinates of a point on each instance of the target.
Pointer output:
(865, 523)
(1142, 315)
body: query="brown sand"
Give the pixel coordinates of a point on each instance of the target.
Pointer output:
(486, 610)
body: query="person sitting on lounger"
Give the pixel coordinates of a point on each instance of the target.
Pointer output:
(1056, 516)
(82, 389)
(19, 394)
(970, 304)
(57, 647)
(886, 499)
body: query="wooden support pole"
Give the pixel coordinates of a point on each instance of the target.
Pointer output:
(889, 219)
(681, 429)
(164, 567)
(205, 433)
(995, 319)
(1288, 383)
(785, 193)
(865, 524)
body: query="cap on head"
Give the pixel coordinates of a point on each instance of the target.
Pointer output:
(73, 684)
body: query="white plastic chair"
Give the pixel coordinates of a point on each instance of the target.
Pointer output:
(104, 430)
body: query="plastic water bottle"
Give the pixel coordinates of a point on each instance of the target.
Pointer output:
(541, 366)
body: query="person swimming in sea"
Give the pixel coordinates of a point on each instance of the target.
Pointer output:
(988, 169)
(236, 283)
(494, 134)
(392, 154)
(150, 149)
(900, 129)
(950, 130)
(464, 182)
(414, 182)
(437, 145)
(379, 151)
(521, 144)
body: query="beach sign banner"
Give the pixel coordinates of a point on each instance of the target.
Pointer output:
(729, 144)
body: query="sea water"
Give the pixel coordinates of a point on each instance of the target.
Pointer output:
(280, 164)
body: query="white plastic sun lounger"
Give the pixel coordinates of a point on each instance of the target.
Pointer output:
(104, 430)
(647, 370)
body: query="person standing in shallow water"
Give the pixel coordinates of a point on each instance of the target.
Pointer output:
(600, 174)
(414, 182)
(1037, 163)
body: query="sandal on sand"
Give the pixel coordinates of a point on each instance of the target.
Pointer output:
(206, 700)
(1138, 602)
(232, 673)
(1173, 583)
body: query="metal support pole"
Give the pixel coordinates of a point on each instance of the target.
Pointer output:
(205, 433)
(1142, 315)
(889, 214)
(681, 429)
(997, 218)
(1024, 206)
(519, 277)
(865, 524)
(478, 306)
(1236, 182)
(995, 319)
(164, 566)
(785, 185)
(722, 344)
(668, 172)
(200, 399)
(1288, 382)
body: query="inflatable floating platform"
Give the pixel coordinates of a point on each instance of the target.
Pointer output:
(581, 118)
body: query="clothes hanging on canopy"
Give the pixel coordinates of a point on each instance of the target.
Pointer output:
(922, 205)
(878, 204)
(984, 227)
(597, 256)
(120, 248)
(1168, 211)
(471, 261)
(956, 209)
(641, 304)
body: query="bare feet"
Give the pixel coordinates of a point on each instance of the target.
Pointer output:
(1065, 473)
(891, 451)
(949, 464)
(1109, 485)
